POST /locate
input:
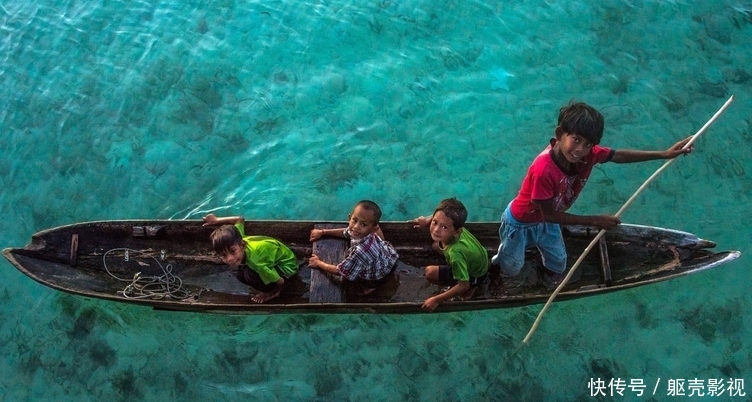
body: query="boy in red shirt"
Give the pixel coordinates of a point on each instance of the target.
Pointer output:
(550, 187)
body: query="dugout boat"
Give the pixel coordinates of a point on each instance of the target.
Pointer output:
(169, 265)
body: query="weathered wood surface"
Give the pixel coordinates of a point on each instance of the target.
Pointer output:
(605, 262)
(637, 255)
(325, 287)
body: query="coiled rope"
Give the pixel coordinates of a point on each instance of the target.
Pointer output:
(154, 287)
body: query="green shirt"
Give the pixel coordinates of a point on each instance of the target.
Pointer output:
(267, 256)
(467, 257)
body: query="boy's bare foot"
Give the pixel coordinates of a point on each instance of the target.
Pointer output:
(551, 280)
(366, 291)
(264, 297)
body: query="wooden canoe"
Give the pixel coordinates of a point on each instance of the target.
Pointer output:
(101, 260)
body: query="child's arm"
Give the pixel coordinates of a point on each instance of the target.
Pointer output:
(315, 262)
(457, 290)
(211, 219)
(631, 156)
(421, 221)
(319, 233)
(550, 214)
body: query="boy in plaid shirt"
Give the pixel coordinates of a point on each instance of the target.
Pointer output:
(370, 259)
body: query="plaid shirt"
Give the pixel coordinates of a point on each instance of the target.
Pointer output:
(369, 258)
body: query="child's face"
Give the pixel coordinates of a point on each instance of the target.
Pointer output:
(442, 228)
(571, 147)
(362, 223)
(234, 256)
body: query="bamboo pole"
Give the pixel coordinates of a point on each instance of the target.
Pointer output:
(623, 208)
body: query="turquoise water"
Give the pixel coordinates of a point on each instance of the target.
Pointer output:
(293, 110)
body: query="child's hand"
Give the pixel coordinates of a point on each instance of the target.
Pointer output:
(316, 234)
(314, 261)
(210, 219)
(430, 304)
(677, 150)
(421, 222)
(606, 222)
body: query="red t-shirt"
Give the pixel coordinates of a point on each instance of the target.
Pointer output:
(546, 180)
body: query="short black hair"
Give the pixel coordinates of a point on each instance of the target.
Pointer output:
(369, 205)
(454, 210)
(224, 237)
(582, 119)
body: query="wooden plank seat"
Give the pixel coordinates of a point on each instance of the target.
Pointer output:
(325, 287)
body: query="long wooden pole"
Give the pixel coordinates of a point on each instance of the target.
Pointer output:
(623, 208)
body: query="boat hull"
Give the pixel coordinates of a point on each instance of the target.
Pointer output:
(90, 259)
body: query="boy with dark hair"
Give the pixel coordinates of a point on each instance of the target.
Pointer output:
(552, 184)
(263, 263)
(370, 259)
(467, 259)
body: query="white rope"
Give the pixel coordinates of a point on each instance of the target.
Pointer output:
(150, 287)
(623, 208)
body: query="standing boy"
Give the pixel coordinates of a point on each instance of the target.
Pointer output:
(552, 184)
(370, 259)
(263, 263)
(467, 259)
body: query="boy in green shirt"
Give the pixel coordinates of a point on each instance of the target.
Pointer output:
(467, 258)
(263, 263)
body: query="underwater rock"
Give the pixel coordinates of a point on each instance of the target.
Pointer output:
(620, 84)
(334, 83)
(83, 324)
(355, 111)
(675, 102)
(409, 109)
(451, 59)
(280, 77)
(161, 155)
(202, 27)
(719, 28)
(715, 90)
(736, 75)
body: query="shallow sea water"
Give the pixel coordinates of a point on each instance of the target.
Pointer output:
(295, 110)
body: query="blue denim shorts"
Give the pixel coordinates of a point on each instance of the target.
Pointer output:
(517, 236)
